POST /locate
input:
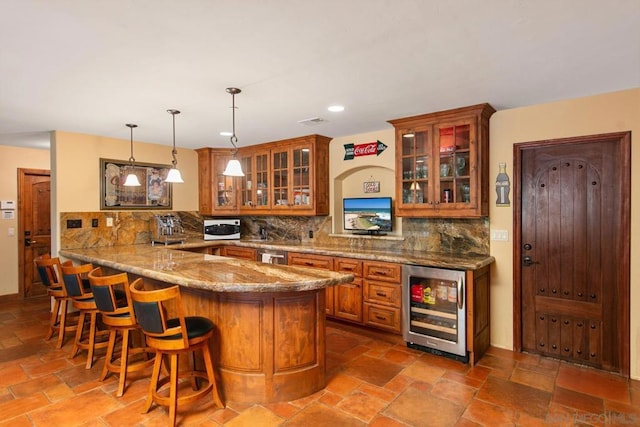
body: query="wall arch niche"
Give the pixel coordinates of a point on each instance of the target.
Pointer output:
(350, 183)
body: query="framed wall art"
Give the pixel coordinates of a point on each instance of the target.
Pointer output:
(154, 193)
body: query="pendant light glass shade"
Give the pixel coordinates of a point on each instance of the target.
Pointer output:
(132, 179)
(234, 168)
(174, 174)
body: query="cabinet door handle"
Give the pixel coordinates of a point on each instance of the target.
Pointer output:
(460, 293)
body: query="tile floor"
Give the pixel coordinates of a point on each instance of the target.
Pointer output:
(371, 380)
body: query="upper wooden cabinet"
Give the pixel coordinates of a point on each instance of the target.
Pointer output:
(217, 192)
(442, 163)
(288, 177)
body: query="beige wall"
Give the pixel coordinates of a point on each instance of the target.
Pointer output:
(11, 159)
(612, 112)
(75, 172)
(347, 176)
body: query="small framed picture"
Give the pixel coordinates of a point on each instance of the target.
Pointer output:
(371, 187)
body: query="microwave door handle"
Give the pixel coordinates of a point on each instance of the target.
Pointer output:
(460, 293)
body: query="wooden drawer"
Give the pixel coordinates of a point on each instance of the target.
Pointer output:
(384, 271)
(382, 293)
(309, 260)
(239, 252)
(348, 265)
(382, 317)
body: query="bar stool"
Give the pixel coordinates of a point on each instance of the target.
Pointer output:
(113, 300)
(76, 284)
(173, 336)
(49, 270)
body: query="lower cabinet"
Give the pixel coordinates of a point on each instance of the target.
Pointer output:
(372, 299)
(239, 252)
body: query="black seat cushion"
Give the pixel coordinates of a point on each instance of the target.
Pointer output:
(196, 327)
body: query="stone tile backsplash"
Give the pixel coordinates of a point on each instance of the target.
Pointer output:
(454, 236)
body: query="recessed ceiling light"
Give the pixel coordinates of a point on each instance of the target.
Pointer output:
(224, 133)
(336, 108)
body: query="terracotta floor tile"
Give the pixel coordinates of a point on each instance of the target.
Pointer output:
(488, 414)
(10, 375)
(26, 388)
(375, 371)
(455, 392)
(16, 407)
(479, 372)
(499, 366)
(580, 401)
(398, 383)
(21, 421)
(444, 363)
(330, 399)
(399, 357)
(285, 410)
(222, 416)
(361, 405)
(619, 413)
(421, 371)
(342, 384)
(594, 382)
(77, 410)
(378, 392)
(463, 379)
(559, 415)
(416, 408)
(256, 416)
(515, 396)
(533, 379)
(319, 415)
(382, 421)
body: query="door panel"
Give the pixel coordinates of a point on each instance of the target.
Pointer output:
(573, 248)
(34, 201)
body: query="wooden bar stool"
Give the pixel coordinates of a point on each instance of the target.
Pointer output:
(50, 272)
(173, 335)
(76, 284)
(113, 299)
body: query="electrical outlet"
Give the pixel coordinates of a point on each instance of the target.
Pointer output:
(311, 234)
(74, 223)
(109, 222)
(94, 222)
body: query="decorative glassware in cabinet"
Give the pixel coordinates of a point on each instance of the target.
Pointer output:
(262, 180)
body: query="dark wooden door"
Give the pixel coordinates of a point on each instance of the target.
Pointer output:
(34, 201)
(574, 250)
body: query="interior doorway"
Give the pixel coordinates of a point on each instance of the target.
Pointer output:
(571, 249)
(34, 227)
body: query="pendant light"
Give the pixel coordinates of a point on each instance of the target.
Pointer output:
(234, 168)
(132, 179)
(174, 173)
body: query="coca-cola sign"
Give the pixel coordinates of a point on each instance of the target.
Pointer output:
(367, 149)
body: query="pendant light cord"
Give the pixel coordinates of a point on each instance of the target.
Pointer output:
(174, 152)
(233, 91)
(131, 159)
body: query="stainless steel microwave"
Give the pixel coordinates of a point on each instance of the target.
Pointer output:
(222, 229)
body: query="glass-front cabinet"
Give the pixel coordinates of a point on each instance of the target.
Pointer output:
(255, 185)
(217, 192)
(288, 177)
(442, 164)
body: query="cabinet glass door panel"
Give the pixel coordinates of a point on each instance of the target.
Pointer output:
(224, 185)
(455, 156)
(301, 181)
(415, 168)
(262, 179)
(280, 178)
(246, 182)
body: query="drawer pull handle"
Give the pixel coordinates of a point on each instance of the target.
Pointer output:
(381, 294)
(381, 318)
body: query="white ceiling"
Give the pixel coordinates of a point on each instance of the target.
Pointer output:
(90, 66)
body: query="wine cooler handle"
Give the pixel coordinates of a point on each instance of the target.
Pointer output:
(460, 293)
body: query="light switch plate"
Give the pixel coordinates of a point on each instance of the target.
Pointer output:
(500, 235)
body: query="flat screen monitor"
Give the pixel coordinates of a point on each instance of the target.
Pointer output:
(367, 215)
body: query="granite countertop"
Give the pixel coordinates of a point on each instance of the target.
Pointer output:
(210, 272)
(428, 259)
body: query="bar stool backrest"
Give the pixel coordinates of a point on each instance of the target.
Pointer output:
(152, 308)
(113, 298)
(74, 278)
(50, 270)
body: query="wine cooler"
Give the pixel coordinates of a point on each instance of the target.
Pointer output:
(434, 310)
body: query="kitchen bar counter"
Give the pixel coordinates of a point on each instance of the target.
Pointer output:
(269, 344)
(428, 259)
